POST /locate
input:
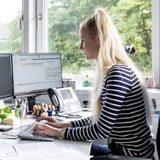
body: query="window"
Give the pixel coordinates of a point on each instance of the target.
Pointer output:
(10, 35)
(50, 25)
(65, 16)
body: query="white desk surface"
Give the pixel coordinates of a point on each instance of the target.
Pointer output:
(16, 149)
(37, 150)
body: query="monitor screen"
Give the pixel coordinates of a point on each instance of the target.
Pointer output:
(35, 73)
(6, 86)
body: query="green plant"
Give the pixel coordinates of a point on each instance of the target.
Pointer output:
(7, 109)
(5, 112)
(3, 116)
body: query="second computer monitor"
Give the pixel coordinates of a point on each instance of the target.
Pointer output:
(35, 73)
(6, 87)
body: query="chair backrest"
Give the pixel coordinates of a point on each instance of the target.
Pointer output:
(158, 138)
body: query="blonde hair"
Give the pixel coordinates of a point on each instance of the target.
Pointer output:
(111, 52)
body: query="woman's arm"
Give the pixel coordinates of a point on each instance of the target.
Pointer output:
(82, 122)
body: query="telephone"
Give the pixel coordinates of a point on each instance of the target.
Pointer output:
(65, 100)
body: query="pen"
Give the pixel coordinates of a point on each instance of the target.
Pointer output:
(15, 149)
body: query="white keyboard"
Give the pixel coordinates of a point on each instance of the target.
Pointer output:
(27, 134)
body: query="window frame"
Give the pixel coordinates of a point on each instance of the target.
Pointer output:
(41, 26)
(156, 42)
(28, 26)
(34, 26)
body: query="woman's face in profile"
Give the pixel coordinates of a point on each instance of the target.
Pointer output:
(89, 44)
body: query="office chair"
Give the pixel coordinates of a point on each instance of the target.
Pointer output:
(119, 157)
(158, 138)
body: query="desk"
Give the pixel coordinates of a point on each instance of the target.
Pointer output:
(57, 150)
(16, 149)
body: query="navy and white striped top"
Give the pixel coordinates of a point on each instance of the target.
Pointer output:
(122, 117)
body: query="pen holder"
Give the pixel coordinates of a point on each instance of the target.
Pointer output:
(20, 112)
(17, 112)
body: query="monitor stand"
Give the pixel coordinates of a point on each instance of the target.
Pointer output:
(31, 102)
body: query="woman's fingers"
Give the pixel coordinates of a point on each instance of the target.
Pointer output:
(55, 125)
(39, 129)
(41, 118)
(50, 123)
(38, 126)
(49, 119)
(45, 129)
(39, 132)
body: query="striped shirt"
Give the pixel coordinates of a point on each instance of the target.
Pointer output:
(122, 117)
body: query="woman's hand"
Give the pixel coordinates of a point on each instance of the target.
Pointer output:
(47, 130)
(49, 119)
(57, 124)
(53, 122)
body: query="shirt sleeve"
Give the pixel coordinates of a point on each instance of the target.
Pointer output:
(116, 86)
(82, 122)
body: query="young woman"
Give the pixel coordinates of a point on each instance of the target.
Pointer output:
(121, 113)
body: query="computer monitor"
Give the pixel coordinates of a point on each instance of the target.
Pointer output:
(6, 86)
(34, 73)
